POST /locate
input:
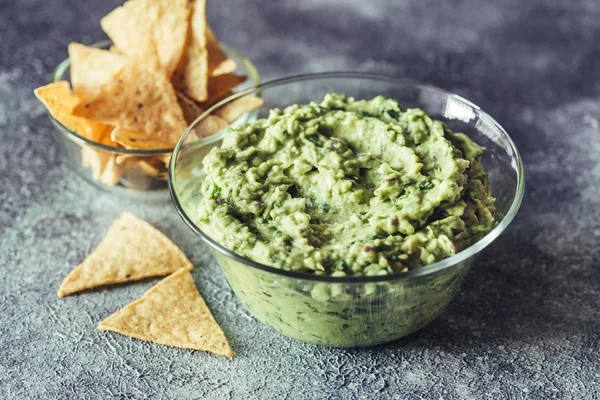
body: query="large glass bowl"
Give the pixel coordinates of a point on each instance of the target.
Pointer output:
(353, 311)
(135, 172)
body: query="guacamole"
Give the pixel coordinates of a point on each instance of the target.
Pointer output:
(345, 187)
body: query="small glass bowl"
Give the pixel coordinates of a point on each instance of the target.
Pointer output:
(353, 311)
(133, 171)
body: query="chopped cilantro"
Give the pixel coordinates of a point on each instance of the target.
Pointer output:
(216, 191)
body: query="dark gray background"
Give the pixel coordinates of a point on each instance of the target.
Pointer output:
(527, 323)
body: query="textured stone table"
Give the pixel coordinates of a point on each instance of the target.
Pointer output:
(527, 323)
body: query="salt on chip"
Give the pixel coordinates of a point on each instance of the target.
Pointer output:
(191, 75)
(92, 68)
(131, 250)
(141, 99)
(235, 109)
(172, 313)
(137, 22)
(60, 101)
(218, 62)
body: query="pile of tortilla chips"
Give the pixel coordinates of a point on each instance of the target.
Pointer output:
(164, 69)
(172, 312)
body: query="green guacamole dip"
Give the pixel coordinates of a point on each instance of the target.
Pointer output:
(345, 187)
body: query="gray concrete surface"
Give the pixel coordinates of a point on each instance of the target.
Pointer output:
(526, 325)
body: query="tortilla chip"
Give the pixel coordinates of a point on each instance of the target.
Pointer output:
(218, 63)
(122, 159)
(131, 250)
(139, 171)
(106, 139)
(139, 99)
(149, 168)
(113, 172)
(113, 49)
(137, 140)
(235, 109)
(146, 165)
(86, 159)
(205, 105)
(95, 159)
(165, 159)
(141, 174)
(59, 101)
(191, 111)
(171, 313)
(191, 76)
(137, 22)
(227, 66)
(209, 126)
(220, 85)
(92, 68)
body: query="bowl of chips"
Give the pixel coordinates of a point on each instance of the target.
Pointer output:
(120, 106)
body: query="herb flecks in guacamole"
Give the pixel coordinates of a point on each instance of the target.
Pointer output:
(346, 187)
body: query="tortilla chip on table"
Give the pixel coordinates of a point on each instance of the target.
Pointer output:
(131, 250)
(172, 313)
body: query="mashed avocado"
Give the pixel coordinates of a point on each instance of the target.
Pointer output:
(345, 187)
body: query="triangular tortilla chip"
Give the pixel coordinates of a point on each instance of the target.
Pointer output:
(209, 126)
(96, 159)
(218, 63)
(113, 49)
(137, 22)
(220, 85)
(171, 313)
(113, 172)
(191, 111)
(165, 159)
(235, 109)
(92, 68)
(107, 140)
(140, 98)
(191, 75)
(205, 105)
(131, 250)
(60, 101)
(149, 166)
(137, 140)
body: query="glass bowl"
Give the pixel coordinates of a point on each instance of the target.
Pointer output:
(120, 170)
(353, 311)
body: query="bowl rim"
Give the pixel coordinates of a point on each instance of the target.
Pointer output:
(60, 69)
(445, 263)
